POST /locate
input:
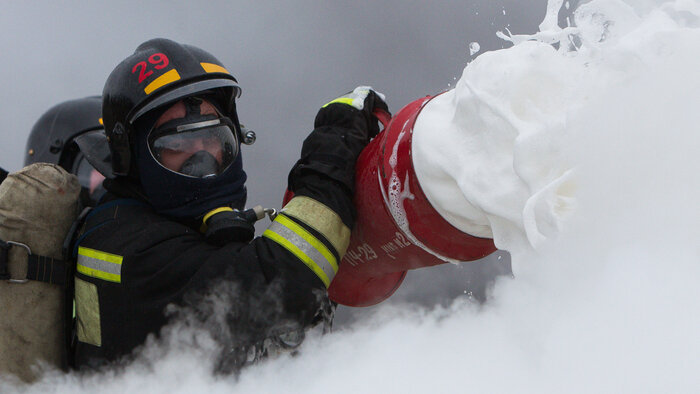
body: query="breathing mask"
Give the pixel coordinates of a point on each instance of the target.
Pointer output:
(196, 145)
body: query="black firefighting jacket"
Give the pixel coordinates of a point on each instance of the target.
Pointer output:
(133, 263)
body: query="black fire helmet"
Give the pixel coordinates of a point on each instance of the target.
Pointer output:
(158, 73)
(51, 139)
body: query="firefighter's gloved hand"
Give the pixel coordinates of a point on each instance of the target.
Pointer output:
(325, 171)
(354, 110)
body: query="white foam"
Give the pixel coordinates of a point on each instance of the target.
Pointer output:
(491, 154)
(474, 48)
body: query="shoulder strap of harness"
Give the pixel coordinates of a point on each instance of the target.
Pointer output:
(108, 210)
(97, 217)
(42, 268)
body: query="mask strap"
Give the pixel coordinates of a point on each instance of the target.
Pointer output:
(193, 105)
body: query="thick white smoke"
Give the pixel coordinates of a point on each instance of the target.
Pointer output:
(609, 304)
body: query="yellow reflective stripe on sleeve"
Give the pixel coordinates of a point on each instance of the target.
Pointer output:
(213, 68)
(100, 265)
(299, 254)
(168, 77)
(313, 241)
(356, 98)
(322, 219)
(341, 100)
(304, 246)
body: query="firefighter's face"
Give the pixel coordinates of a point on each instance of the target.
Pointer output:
(174, 151)
(178, 152)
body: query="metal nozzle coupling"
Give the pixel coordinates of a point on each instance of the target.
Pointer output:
(260, 212)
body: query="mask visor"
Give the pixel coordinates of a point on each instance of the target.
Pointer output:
(199, 150)
(94, 146)
(90, 179)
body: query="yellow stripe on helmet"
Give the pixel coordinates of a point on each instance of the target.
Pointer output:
(214, 68)
(169, 77)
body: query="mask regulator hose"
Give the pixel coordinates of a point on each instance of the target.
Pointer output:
(225, 224)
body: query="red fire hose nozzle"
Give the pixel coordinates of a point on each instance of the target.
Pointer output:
(397, 228)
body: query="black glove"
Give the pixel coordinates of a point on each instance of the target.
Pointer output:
(355, 110)
(326, 169)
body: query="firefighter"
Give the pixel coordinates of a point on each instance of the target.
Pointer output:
(168, 231)
(59, 136)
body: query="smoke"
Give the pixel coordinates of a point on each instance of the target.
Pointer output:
(608, 306)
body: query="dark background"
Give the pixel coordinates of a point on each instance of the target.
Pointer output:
(290, 57)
